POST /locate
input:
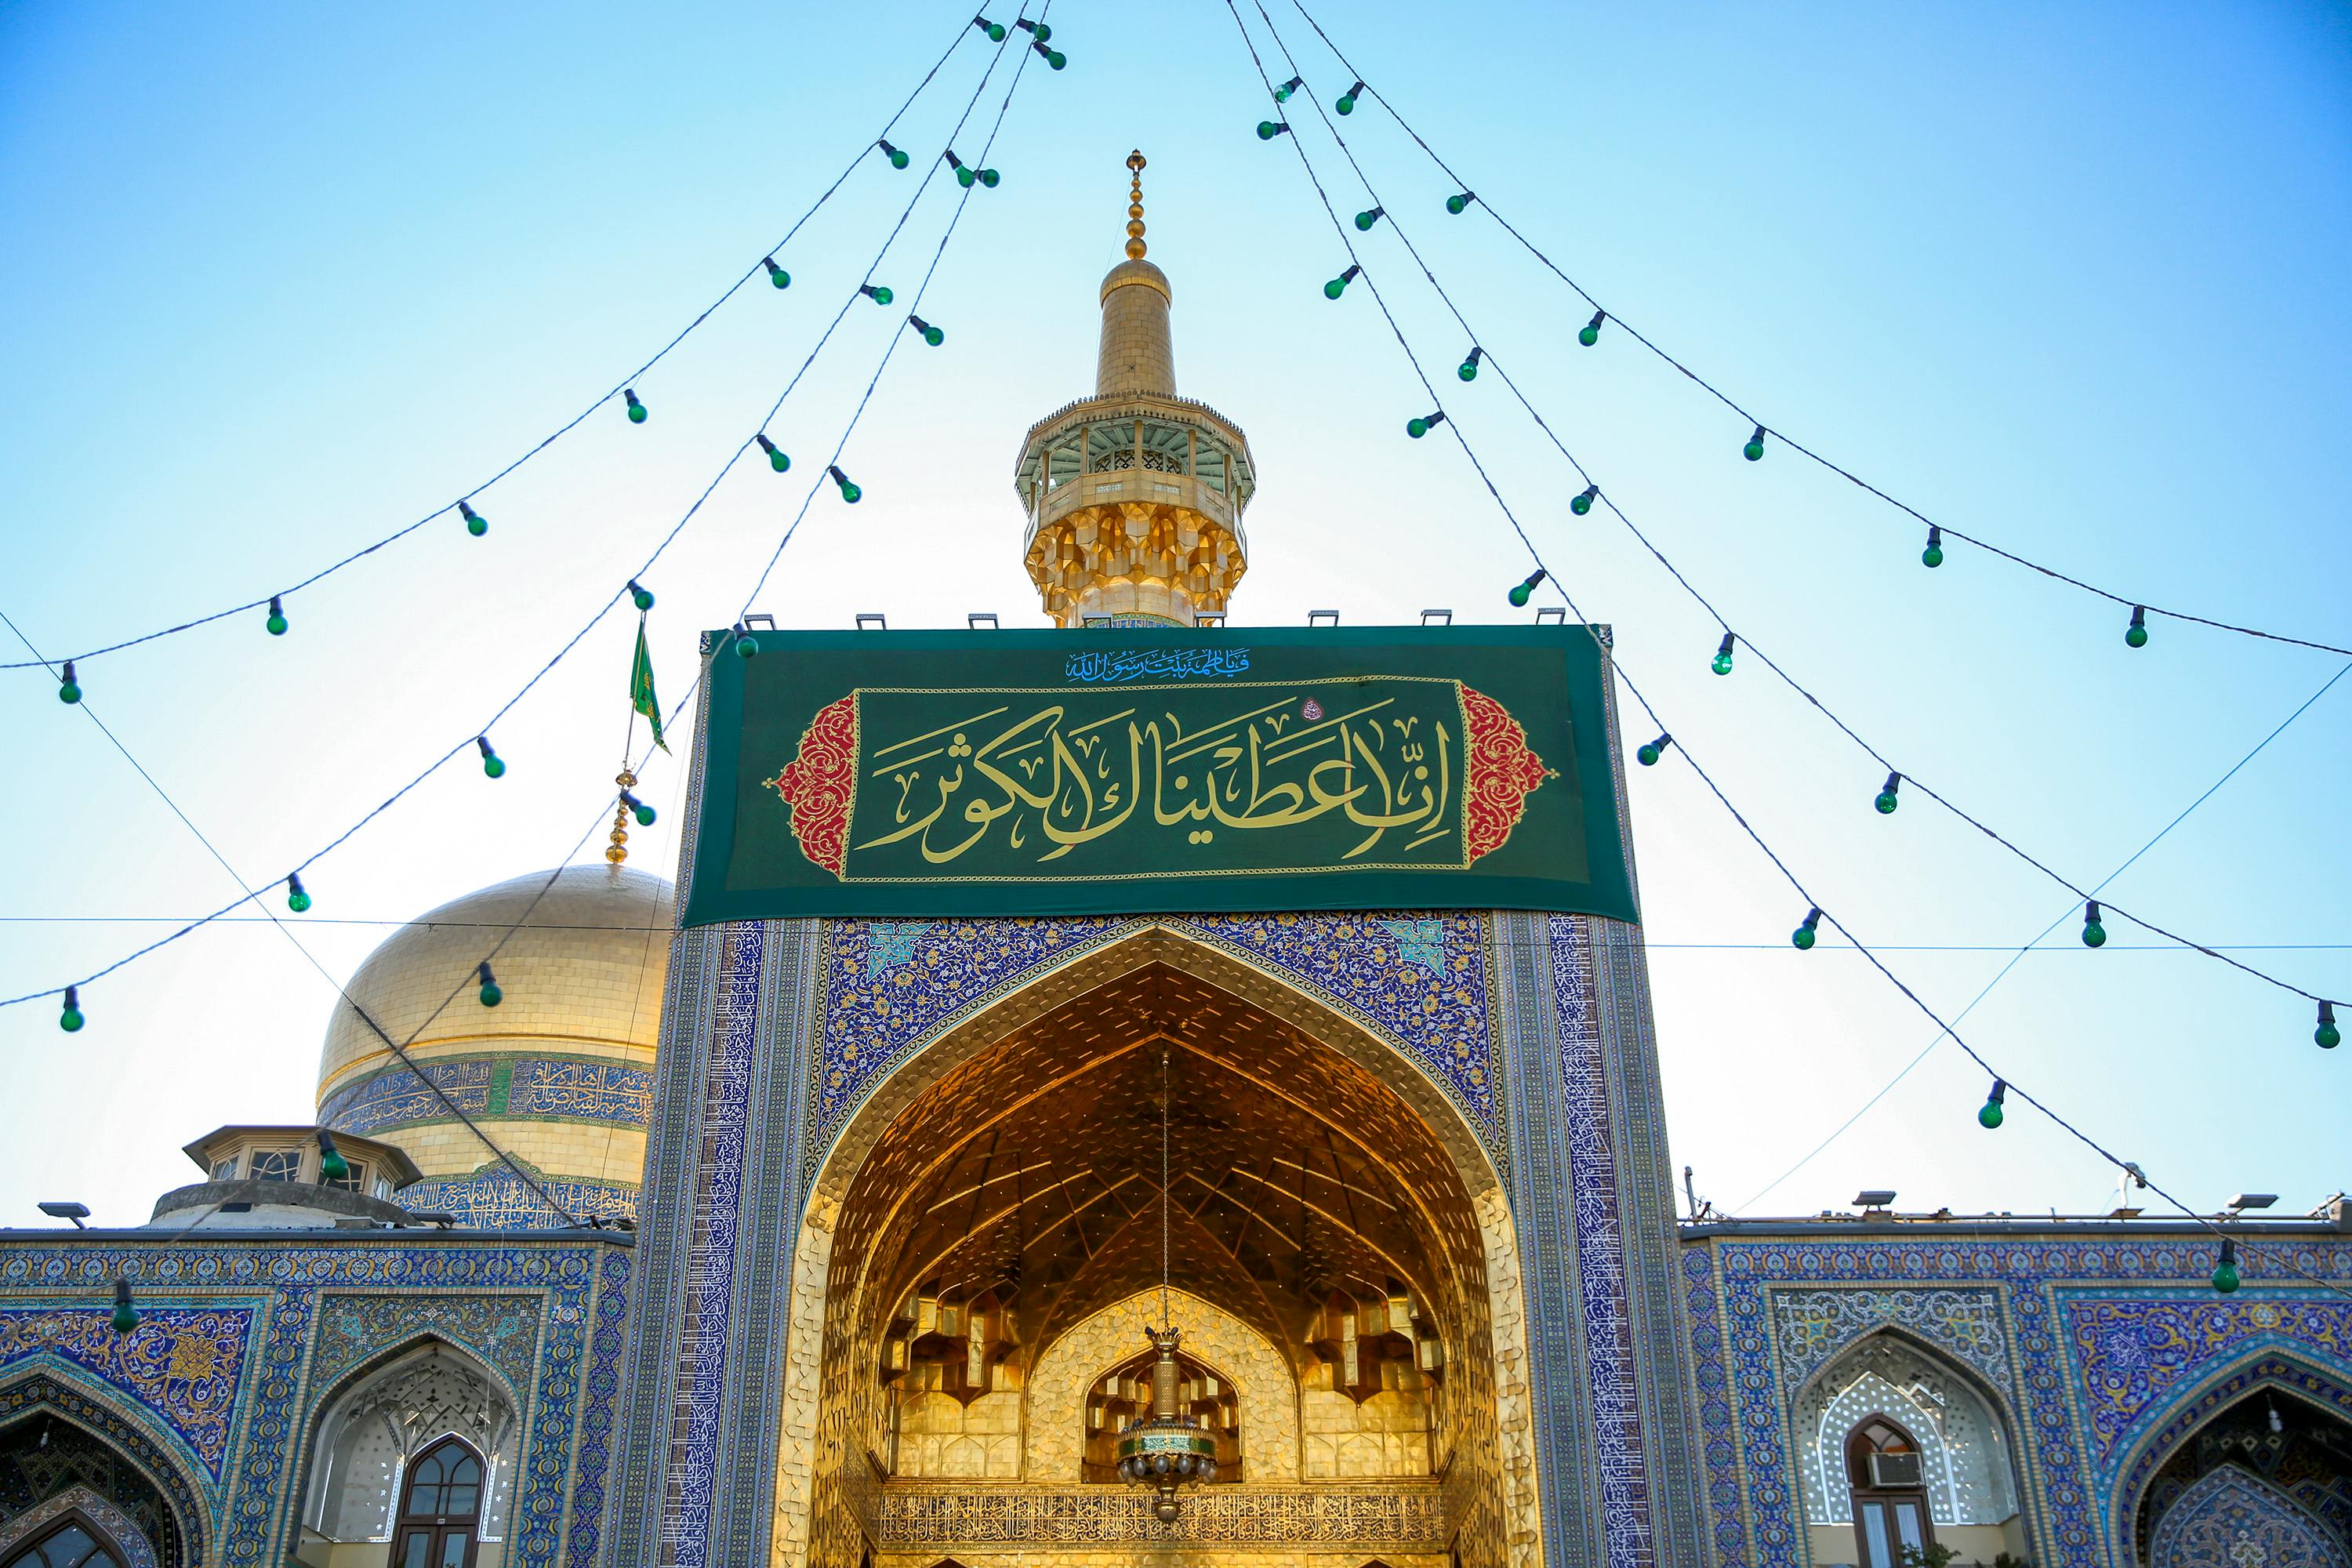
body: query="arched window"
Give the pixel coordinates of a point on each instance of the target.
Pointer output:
(70, 1545)
(1890, 1493)
(440, 1508)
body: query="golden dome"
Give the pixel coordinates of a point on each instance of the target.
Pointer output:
(559, 1073)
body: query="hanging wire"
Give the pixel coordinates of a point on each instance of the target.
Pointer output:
(1166, 1317)
(754, 271)
(1750, 418)
(1682, 749)
(619, 593)
(1769, 663)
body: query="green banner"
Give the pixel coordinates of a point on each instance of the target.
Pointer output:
(1137, 770)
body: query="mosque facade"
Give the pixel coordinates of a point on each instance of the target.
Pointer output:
(833, 1240)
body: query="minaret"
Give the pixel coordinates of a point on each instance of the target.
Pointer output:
(1135, 495)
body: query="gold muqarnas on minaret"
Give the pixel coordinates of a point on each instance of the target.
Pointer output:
(1135, 495)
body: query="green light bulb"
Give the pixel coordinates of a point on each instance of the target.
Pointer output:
(1056, 59)
(298, 897)
(276, 624)
(1989, 1115)
(1519, 594)
(896, 156)
(933, 336)
(69, 1017)
(777, 276)
(69, 688)
(989, 178)
(1803, 937)
(475, 523)
(1583, 502)
(746, 645)
(2327, 1036)
(640, 597)
(2094, 934)
(1469, 369)
(1887, 802)
(1648, 755)
(996, 30)
(1721, 663)
(1417, 428)
(1754, 450)
(1346, 104)
(1458, 204)
(639, 809)
(964, 177)
(849, 491)
(491, 763)
(490, 995)
(1591, 332)
(1933, 556)
(2136, 635)
(2225, 1273)
(777, 459)
(332, 1166)
(636, 409)
(1371, 215)
(879, 293)
(1267, 130)
(1043, 31)
(126, 1315)
(1333, 289)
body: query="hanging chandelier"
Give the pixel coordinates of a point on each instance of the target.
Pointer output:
(1165, 1449)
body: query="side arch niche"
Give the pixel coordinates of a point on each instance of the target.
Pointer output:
(2258, 1463)
(1965, 1453)
(63, 1453)
(985, 1220)
(375, 1427)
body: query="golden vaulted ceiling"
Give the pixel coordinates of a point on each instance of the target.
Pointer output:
(1033, 1169)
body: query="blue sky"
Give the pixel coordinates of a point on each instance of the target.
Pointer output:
(283, 278)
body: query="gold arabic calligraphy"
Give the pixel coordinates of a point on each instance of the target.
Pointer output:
(1060, 787)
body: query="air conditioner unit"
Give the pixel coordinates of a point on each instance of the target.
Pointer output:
(1895, 1471)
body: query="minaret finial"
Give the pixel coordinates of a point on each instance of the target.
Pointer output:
(1135, 206)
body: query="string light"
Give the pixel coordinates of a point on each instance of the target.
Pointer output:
(898, 160)
(1267, 130)
(1417, 428)
(1886, 801)
(1649, 754)
(1518, 595)
(1721, 663)
(2225, 1273)
(965, 177)
(1990, 1114)
(1338, 286)
(877, 292)
(1591, 332)
(776, 275)
(70, 1017)
(641, 597)
(932, 334)
(1469, 370)
(776, 460)
(2094, 934)
(1933, 556)
(1346, 104)
(1041, 29)
(2327, 1036)
(1754, 450)
(276, 624)
(1805, 935)
(1583, 502)
(1282, 94)
(475, 523)
(1053, 57)
(126, 1314)
(1369, 216)
(849, 492)
(636, 409)
(69, 688)
(331, 1164)
(298, 897)
(493, 765)
(996, 30)
(490, 995)
(1459, 202)
(2136, 635)
(644, 813)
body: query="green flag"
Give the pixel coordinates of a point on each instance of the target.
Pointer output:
(641, 686)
